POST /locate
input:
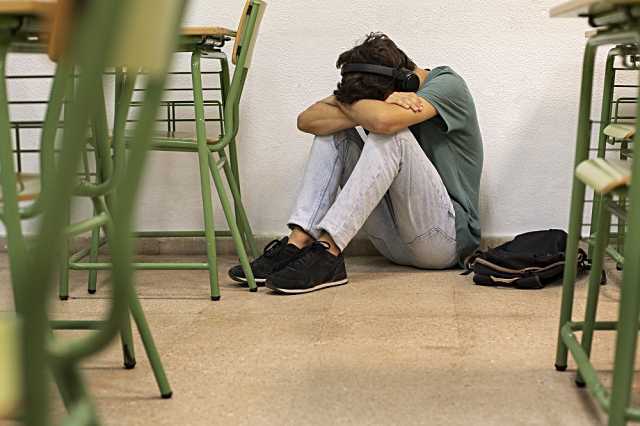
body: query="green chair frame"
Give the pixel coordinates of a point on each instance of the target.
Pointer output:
(620, 25)
(31, 265)
(607, 116)
(224, 167)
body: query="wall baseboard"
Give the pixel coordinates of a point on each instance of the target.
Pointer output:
(224, 246)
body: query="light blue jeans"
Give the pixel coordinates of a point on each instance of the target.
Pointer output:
(384, 184)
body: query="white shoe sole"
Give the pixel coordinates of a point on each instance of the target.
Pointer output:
(309, 290)
(244, 280)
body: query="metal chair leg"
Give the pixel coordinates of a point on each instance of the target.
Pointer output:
(605, 119)
(233, 226)
(209, 225)
(232, 173)
(577, 204)
(601, 227)
(627, 331)
(63, 276)
(241, 216)
(149, 345)
(205, 182)
(93, 256)
(128, 349)
(34, 335)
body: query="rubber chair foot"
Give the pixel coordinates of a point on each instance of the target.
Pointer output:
(167, 395)
(215, 298)
(580, 383)
(64, 297)
(561, 367)
(129, 359)
(91, 291)
(253, 290)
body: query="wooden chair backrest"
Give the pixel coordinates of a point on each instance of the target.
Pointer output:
(61, 24)
(27, 7)
(135, 48)
(241, 42)
(148, 33)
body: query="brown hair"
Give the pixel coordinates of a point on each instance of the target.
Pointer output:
(376, 49)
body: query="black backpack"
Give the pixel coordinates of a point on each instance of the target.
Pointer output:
(530, 261)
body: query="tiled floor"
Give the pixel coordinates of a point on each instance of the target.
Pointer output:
(395, 346)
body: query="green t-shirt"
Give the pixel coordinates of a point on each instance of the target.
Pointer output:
(453, 143)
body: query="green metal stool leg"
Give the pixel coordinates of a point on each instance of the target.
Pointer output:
(209, 225)
(93, 256)
(128, 350)
(233, 175)
(104, 170)
(149, 345)
(63, 388)
(601, 229)
(126, 194)
(126, 336)
(577, 204)
(605, 119)
(233, 227)
(621, 228)
(627, 332)
(103, 205)
(73, 390)
(95, 233)
(241, 217)
(205, 182)
(244, 226)
(233, 158)
(63, 292)
(33, 371)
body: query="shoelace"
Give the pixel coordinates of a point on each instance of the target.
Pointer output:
(272, 248)
(314, 247)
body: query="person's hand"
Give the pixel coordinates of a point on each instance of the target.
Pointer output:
(407, 100)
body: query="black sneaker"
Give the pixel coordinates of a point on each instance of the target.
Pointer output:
(315, 269)
(276, 255)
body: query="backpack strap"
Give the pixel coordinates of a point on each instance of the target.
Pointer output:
(529, 282)
(469, 262)
(523, 271)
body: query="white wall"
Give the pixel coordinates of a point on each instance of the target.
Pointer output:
(522, 67)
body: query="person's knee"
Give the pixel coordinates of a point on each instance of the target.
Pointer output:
(402, 143)
(339, 137)
(388, 145)
(398, 137)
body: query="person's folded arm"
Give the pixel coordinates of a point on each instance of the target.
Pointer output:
(324, 118)
(387, 117)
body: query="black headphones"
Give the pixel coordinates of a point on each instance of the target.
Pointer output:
(404, 80)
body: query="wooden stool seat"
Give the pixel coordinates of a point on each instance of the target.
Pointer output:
(620, 131)
(44, 8)
(218, 32)
(604, 175)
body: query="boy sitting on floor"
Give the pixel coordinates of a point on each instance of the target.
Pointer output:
(411, 182)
